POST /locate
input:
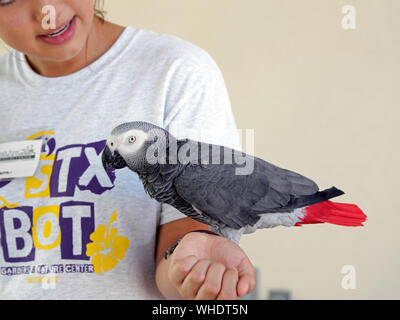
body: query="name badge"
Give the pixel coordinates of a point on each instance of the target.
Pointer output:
(19, 159)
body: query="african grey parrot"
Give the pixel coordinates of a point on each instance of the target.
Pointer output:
(204, 182)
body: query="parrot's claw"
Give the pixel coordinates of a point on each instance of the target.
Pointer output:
(171, 249)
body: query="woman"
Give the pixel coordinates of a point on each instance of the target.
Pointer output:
(72, 227)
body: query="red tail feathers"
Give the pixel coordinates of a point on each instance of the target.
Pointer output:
(342, 214)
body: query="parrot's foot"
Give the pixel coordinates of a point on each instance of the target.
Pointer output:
(171, 249)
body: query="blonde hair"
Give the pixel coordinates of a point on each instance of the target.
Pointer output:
(98, 9)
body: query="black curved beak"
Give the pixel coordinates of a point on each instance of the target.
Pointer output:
(112, 159)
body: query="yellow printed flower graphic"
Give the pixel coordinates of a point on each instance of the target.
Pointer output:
(107, 248)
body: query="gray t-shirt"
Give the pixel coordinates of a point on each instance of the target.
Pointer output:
(73, 231)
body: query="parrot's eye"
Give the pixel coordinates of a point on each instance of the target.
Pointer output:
(111, 144)
(132, 139)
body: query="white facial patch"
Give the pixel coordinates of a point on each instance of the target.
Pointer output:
(131, 141)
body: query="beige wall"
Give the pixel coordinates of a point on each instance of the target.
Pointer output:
(323, 101)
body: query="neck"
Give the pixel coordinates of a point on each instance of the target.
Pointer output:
(101, 37)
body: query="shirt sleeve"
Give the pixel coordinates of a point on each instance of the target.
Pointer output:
(204, 115)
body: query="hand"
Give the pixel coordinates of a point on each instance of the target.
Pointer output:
(205, 266)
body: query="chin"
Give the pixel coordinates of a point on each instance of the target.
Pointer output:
(62, 53)
(66, 51)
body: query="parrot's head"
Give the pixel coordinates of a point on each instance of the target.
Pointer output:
(128, 145)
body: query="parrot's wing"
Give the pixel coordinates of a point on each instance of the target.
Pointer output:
(217, 191)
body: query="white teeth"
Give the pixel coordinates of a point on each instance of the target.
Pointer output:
(58, 33)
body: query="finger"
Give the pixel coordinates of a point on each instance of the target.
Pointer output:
(193, 281)
(229, 282)
(247, 281)
(179, 269)
(213, 282)
(245, 285)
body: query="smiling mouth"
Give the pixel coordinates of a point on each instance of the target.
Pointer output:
(59, 31)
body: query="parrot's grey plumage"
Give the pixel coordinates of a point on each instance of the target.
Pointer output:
(211, 191)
